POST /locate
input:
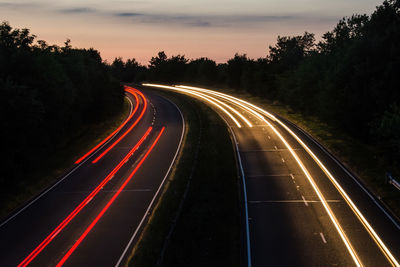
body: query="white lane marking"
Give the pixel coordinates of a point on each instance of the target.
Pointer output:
(323, 237)
(276, 148)
(291, 175)
(244, 198)
(269, 137)
(247, 219)
(157, 192)
(305, 202)
(312, 182)
(267, 175)
(292, 201)
(283, 160)
(107, 191)
(65, 176)
(351, 175)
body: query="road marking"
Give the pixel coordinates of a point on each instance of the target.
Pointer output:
(266, 150)
(351, 175)
(61, 179)
(323, 237)
(127, 131)
(109, 203)
(107, 191)
(267, 175)
(276, 148)
(292, 201)
(82, 205)
(114, 133)
(305, 202)
(283, 160)
(121, 258)
(333, 218)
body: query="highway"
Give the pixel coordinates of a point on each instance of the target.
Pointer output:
(302, 207)
(93, 215)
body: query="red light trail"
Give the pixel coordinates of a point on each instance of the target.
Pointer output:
(90, 227)
(114, 132)
(65, 222)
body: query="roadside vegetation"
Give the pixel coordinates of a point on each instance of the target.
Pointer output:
(344, 88)
(197, 220)
(55, 102)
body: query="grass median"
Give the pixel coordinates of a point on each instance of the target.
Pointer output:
(50, 168)
(196, 221)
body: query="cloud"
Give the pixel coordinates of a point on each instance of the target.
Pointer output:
(189, 21)
(128, 14)
(26, 5)
(77, 10)
(224, 21)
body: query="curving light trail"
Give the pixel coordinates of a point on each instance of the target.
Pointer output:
(109, 203)
(260, 113)
(83, 204)
(393, 261)
(127, 131)
(127, 89)
(202, 96)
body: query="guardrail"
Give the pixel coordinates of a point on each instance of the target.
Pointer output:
(392, 181)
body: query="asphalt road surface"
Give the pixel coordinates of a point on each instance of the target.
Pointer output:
(91, 217)
(303, 208)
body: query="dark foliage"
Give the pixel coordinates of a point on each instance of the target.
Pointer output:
(350, 79)
(48, 95)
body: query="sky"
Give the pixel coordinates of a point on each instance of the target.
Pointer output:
(139, 29)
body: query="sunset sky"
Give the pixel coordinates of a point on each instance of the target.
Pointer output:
(208, 28)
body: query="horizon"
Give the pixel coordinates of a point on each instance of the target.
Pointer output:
(140, 29)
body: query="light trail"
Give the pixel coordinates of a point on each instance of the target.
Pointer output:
(72, 215)
(90, 227)
(225, 105)
(378, 241)
(114, 132)
(325, 204)
(127, 131)
(203, 97)
(255, 111)
(219, 102)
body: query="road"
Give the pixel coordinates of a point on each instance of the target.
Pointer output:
(93, 215)
(302, 206)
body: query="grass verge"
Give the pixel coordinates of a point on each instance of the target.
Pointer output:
(207, 226)
(50, 168)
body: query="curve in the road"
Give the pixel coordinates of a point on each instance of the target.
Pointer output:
(132, 113)
(85, 202)
(133, 180)
(90, 227)
(209, 96)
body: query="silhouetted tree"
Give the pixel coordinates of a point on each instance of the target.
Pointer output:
(48, 94)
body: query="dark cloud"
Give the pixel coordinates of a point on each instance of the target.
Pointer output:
(205, 21)
(128, 14)
(78, 10)
(190, 21)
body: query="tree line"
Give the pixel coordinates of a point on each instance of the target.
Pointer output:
(48, 95)
(350, 78)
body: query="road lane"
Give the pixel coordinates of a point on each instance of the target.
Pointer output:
(285, 185)
(24, 232)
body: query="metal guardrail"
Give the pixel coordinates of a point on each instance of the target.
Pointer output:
(392, 181)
